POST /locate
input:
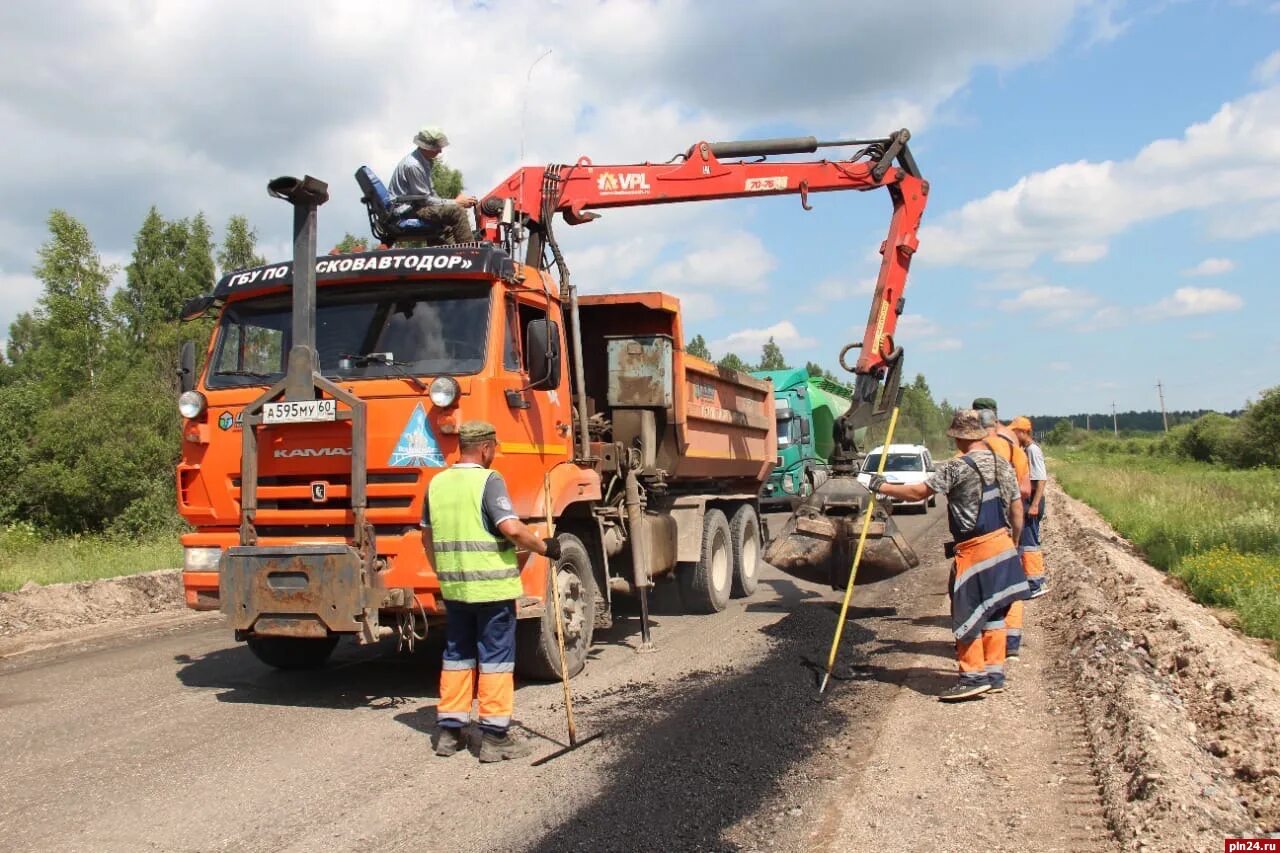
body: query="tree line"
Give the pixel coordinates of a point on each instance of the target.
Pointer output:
(88, 383)
(1246, 439)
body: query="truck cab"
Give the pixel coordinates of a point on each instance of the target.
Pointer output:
(806, 408)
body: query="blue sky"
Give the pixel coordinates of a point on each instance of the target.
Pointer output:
(1105, 206)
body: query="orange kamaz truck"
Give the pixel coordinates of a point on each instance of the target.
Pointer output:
(333, 389)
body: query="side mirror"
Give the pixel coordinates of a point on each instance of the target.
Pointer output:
(187, 366)
(804, 430)
(542, 355)
(195, 307)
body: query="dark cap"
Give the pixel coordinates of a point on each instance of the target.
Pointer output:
(986, 403)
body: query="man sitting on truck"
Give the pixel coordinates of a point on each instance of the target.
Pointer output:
(984, 510)
(413, 177)
(472, 533)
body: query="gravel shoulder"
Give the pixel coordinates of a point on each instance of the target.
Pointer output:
(1183, 713)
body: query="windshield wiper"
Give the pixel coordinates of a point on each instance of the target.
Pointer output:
(381, 358)
(250, 373)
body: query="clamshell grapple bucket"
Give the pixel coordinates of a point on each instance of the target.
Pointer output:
(818, 541)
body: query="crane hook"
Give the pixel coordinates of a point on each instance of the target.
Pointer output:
(804, 195)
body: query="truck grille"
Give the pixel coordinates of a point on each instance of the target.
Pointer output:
(389, 493)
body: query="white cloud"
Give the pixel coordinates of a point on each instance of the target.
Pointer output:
(1211, 266)
(944, 345)
(1268, 69)
(915, 326)
(1216, 166)
(1060, 366)
(735, 261)
(242, 98)
(835, 290)
(1057, 303)
(1190, 301)
(1083, 254)
(748, 342)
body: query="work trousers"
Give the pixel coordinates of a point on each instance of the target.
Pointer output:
(478, 637)
(1029, 548)
(453, 221)
(982, 658)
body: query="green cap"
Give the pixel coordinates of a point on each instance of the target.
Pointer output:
(477, 431)
(430, 137)
(986, 403)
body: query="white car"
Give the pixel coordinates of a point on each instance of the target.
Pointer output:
(907, 463)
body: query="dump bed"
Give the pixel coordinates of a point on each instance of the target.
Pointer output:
(712, 423)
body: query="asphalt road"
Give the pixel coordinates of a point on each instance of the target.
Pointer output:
(183, 741)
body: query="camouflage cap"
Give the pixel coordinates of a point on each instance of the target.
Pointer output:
(430, 137)
(966, 424)
(477, 431)
(1021, 423)
(986, 403)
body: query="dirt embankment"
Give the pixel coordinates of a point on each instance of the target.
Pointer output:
(38, 616)
(1183, 712)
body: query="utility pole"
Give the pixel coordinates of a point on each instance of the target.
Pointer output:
(1115, 430)
(1163, 414)
(1086, 421)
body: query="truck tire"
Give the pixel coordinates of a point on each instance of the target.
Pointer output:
(744, 534)
(705, 586)
(537, 652)
(293, 652)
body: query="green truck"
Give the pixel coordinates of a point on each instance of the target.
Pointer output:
(807, 407)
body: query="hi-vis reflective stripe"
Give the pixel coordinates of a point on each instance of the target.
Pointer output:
(540, 449)
(442, 547)
(991, 494)
(477, 575)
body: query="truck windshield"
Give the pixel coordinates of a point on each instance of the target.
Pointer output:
(895, 462)
(425, 330)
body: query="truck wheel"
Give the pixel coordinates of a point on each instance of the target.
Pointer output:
(744, 534)
(705, 585)
(537, 653)
(293, 652)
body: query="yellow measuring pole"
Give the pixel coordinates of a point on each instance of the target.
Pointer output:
(857, 556)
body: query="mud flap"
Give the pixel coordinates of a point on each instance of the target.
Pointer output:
(817, 543)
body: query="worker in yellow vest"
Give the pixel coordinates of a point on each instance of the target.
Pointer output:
(472, 532)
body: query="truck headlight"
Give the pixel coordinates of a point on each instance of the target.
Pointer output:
(201, 559)
(444, 391)
(191, 404)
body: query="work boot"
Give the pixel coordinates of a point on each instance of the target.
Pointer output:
(501, 747)
(962, 690)
(449, 741)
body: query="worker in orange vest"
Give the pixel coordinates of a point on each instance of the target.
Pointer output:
(984, 512)
(1005, 444)
(1029, 545)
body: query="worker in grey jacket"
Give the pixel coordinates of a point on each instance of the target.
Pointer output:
(413, 177)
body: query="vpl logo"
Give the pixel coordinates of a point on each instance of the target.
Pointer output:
(305, 452)
(625, 183)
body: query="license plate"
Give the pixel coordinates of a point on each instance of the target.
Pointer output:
(300, 412)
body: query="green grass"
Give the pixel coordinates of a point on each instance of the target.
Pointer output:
(1216, 529)
(27, 556)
